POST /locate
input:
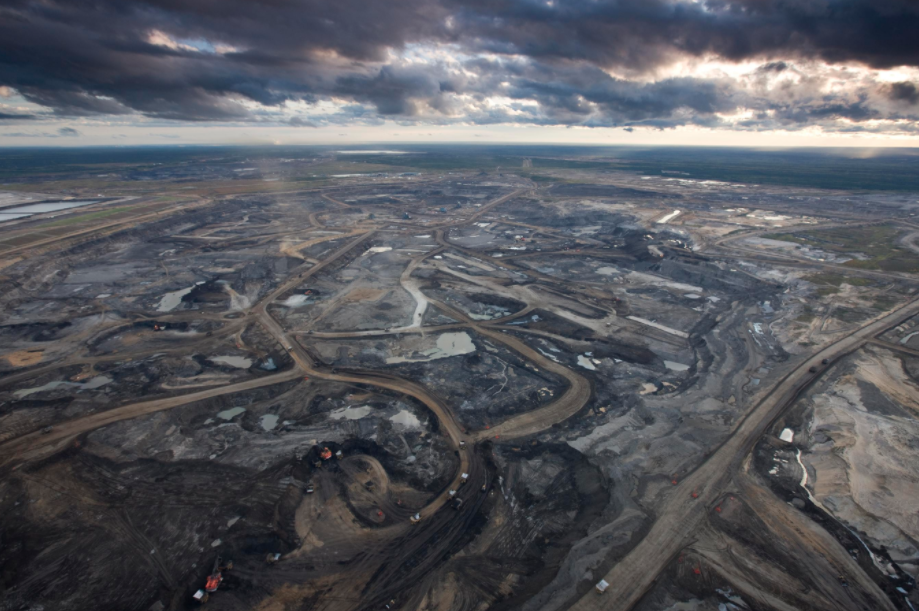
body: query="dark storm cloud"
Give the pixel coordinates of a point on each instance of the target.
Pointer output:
(567, 94)
(215, 60)
(100, 57)
(903, 92)
(773, 67)
(639, 34)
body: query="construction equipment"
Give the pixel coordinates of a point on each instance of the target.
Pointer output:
(213, 580)
(602, 585)
(272, 558)
(457, 503)
(464, 478)
(325, 454)
(415, 518)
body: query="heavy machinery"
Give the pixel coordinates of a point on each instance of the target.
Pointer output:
(415, 518)
(325, 454)
(213, 580)
(272, 558)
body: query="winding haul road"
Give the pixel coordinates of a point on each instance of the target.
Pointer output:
(680, 515)
(35, 445)
(677, 519)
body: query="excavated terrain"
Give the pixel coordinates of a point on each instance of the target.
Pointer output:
(458, 391)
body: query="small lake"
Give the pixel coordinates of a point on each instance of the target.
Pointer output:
(406, 419)
(351, 413)
(239, 362)
(229, 414)
(448, 344)
(268, 421)
(19, 212)
(170, 301)
(91, 384)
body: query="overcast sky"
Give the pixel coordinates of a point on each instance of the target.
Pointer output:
(755, 72)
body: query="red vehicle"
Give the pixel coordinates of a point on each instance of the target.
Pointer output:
(213, 581)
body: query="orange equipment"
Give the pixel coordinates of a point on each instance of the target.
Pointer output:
(695, 494)
(213, 581)
(326, 454)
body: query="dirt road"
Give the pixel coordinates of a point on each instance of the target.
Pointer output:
(572, 400)
(36, 444)
(680, 514)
